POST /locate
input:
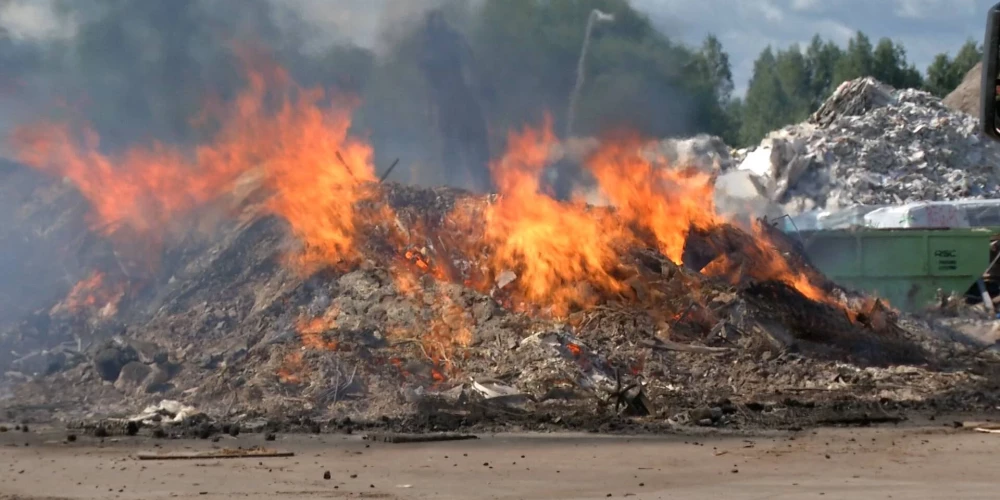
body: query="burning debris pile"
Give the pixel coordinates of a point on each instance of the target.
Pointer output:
(308, 287)
(870, 144)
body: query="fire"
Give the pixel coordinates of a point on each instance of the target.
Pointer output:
(311, 331)
(551, 245)
(555, 246)
(313, 172)
(762, 262)
(292, 368)
(93, 292)
(144, 188)
(294, 147)
(655, 197)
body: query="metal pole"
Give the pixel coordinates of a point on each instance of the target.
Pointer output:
(595, 15)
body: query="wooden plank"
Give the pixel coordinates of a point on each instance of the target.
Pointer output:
(397, 438)
(216, 454)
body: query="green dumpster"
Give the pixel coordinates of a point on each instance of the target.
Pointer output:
(904, 266)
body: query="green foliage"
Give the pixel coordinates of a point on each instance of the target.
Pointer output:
(766, 101)
(945, 74)
(789, 85)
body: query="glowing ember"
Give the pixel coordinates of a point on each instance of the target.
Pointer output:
(311, 331)
(93, 292)
(573, 349)
(449, 329)
(292, 368)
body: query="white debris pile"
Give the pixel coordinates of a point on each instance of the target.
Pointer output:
(870, 144)
(167, 411)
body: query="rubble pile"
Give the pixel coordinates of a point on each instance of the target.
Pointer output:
(274, 277)
(870, 144)
(239, 337)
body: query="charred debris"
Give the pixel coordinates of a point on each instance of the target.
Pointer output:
(248, 342)
(317, 296)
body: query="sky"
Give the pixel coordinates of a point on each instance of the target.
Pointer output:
(745, 27)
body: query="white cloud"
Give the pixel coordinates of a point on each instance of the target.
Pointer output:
(34, 20)
(803, 5)
(931, 9)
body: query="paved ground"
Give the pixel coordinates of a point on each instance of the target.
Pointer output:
(911, 464)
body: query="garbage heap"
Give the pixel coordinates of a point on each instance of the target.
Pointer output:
(274, 275)
(722, 339)
(871, 144)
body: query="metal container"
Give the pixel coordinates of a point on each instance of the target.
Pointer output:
(906, 267)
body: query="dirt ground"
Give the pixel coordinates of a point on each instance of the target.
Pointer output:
(912, 463)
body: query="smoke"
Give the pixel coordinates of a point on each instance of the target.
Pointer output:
(35, 20)
(574, 97)
(139, 70)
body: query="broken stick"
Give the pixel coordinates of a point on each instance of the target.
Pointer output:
(669, 345)
(344, 163)
(396, 438)
(215, 454)
(388, 171)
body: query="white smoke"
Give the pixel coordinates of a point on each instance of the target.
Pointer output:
(35, 20)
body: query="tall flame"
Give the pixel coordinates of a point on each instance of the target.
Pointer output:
(657, 197)
(313, 171)
(552, 245)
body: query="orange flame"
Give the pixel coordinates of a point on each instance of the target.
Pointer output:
(312, 170)
(292, 368)
(662, 200)
(93, 292)
(553, 246)
(763, 262)
(312, 331)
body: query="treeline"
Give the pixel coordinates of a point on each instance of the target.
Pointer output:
(789, 84)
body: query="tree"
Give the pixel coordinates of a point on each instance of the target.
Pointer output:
(793, 73)
(635, 76)
(766, 104)
(821, 60)
(717, 69)
(795, 82)
(945, 74)
(890, 66)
